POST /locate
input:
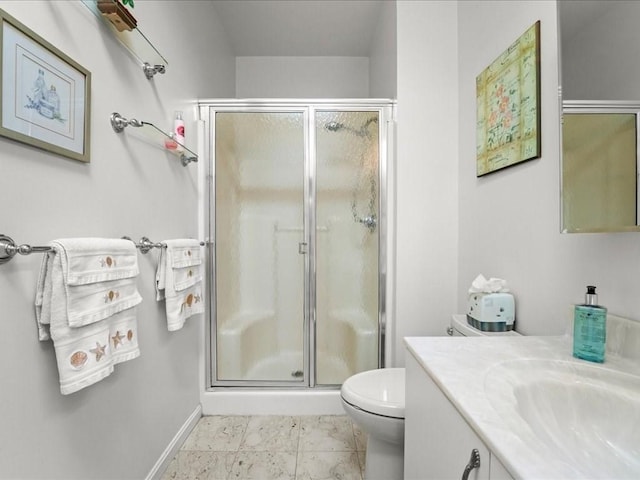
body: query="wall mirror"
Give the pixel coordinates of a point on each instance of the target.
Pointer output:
(600, 92)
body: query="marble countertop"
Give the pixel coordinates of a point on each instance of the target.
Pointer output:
(462, 366)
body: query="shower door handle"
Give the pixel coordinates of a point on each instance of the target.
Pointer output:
(302, 248)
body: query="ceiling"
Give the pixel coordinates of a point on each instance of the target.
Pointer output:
(299, 27)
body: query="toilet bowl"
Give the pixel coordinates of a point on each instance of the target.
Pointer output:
(375, 402)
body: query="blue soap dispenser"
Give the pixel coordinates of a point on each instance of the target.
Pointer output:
(590, 328)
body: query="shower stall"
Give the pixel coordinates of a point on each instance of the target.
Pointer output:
(297, 221)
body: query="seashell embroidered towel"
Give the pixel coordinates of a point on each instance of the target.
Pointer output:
(85, 301)
(179, 281)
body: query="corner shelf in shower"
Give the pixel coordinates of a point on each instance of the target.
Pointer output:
(155, 136)
(138, 45)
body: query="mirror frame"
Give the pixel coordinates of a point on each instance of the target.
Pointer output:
(600, 106)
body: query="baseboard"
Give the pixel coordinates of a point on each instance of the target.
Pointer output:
(271, 402)
(175, 444)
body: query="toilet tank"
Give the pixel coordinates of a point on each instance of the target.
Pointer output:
(459, 327)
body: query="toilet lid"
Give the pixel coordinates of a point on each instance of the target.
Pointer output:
(377, 391)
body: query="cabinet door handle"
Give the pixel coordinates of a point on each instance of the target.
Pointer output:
(474, 462)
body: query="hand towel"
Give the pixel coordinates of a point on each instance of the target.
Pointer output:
(84, 303)
(179, 281)
(43, 297)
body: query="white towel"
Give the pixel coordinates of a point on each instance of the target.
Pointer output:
(179, 281)
(84, 303)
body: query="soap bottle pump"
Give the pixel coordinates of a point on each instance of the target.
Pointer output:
(590, 328)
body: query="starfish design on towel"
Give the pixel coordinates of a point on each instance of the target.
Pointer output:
(99, 351)
(117, 339)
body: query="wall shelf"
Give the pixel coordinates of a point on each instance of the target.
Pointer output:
(136, 43)
(156, 136)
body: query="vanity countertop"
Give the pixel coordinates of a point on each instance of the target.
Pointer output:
(470, 372)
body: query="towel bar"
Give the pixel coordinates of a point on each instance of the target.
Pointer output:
(145, 245)
(9, 248)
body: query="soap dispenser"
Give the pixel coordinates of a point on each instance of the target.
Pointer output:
(590, 328)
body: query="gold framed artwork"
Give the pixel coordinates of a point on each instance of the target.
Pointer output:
(508, 106)
(45, 94)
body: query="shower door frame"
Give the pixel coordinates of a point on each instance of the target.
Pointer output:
(308, 107)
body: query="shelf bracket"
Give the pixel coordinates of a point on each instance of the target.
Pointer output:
(187, 159)
(150, 70)
(119, 123)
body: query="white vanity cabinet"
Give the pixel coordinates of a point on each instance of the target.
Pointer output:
(438, 441)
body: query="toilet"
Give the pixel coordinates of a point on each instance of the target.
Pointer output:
(375, 402)
(460, 327)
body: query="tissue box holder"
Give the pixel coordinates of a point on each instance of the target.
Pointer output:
(491, 312)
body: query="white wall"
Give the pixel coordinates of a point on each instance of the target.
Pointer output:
(590, 70)
(383, 54)
(509, 220)
(302, 77)
(120, 426)
(426, 169)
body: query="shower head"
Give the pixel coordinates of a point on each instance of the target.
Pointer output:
(334, 126)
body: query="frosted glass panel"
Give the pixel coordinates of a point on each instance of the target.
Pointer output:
(259, 199)
(347, 217)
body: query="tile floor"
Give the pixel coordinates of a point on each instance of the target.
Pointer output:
(271, 447)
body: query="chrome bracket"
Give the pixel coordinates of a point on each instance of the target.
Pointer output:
(186, 159)
(150, 70)
(7, 249)
(145, 245)
(119, 123)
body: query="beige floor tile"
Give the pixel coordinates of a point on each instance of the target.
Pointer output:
(217, 433)
(362, 459)
(328, 465)
(271, 433)
(271, 448)
(264, 466)
(326, 433)
(361, 438)
(200, 465)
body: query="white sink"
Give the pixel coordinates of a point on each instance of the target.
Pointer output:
(583, 416)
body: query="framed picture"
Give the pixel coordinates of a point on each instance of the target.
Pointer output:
(508, 106)
(45, 95)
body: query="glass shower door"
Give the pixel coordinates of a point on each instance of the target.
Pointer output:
(260, 257)
(347, 238)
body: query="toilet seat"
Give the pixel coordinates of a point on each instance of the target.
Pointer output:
(380, 392)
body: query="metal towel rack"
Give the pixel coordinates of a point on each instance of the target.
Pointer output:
(9, 248)
(145, 245)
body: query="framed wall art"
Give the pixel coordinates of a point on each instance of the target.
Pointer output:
(508, 106)
(45, 95)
